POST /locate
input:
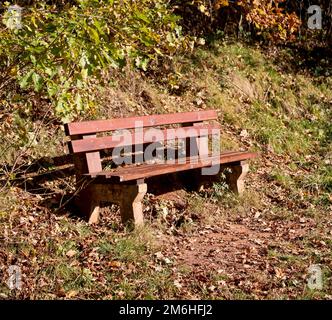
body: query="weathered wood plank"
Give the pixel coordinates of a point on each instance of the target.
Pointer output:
(146, 171)
(97, 126)
(93, 158)
(109, 142)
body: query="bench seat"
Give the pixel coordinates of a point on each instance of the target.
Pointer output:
(145, 170)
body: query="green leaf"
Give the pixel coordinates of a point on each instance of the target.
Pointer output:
(94, 35)
(52, 89)
(24, 82)
(33, 59)
(142, 16)
(158, 51)
(98, 26)
(84, 73)
(37, 81)
(36, 49)
(148, 41)
(78, 102)
(142, 63)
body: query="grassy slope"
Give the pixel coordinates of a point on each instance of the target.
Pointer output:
(257, 246)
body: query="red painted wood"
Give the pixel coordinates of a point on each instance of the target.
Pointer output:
(184, 160)
(93, 158)
(109, 142)
(88, 127)
(146, 170)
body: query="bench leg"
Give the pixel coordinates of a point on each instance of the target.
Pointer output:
(129, 197)
(131, 204)
(92, 212)
(88, 204)
(235, 179)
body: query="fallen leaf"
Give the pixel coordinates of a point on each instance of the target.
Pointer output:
(177, 284)
(71, 253)
(72, 294)
(115, 264)
(159, 255)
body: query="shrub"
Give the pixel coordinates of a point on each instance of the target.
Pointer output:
(264, 18)
(60, 49)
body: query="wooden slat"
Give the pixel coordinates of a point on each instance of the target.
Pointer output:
(146, 171)
(93, 158)
(109, 142)
(88, 127)
(88, 162)
(147, 166)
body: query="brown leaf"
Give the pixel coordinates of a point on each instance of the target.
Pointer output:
(115, 264)
(61, 293)
(71, 253)
(71, 294)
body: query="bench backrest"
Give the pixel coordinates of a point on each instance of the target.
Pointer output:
(86, 142)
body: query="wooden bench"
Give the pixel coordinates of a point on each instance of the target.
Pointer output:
(126, 185)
